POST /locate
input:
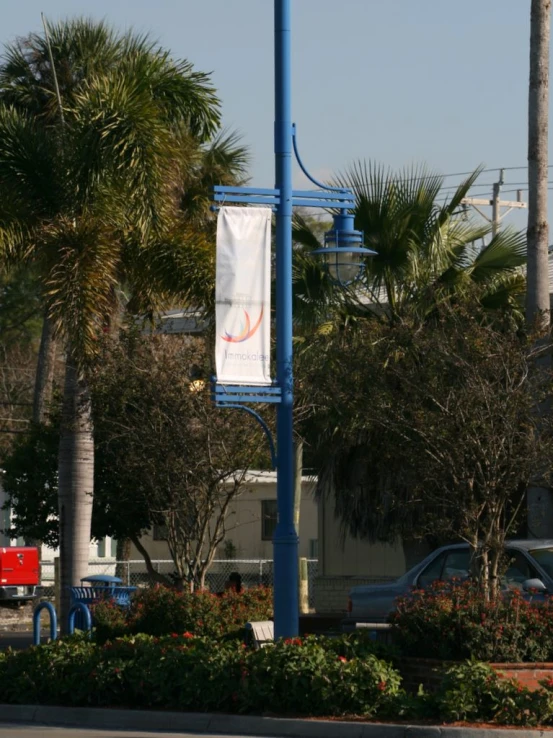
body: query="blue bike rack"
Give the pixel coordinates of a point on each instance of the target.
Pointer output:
(79, 607)
(36, 622)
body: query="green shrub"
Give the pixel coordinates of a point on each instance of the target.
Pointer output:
(360, 644)
(300, 676)
(52, 674)
(473, 692)
(110, 621)
(160, 611)
(185, 672)
(454, 622)
(307, 676)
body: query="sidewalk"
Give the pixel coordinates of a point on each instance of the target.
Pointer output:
(209, 724)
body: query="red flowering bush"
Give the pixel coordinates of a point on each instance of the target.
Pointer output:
(454, 621)
(161, 610)
(306, 676)
(109, 620)
(473, 692)
(181, 672)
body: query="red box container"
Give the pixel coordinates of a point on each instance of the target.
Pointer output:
(19, 573)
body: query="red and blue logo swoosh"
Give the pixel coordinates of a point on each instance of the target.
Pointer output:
(247, 330)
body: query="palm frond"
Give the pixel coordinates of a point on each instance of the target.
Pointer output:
(303, 233)
(223, 161)
(179, 93)
(80, 49)
(505, 252)
(30, 176)
(178, 266)
(80, 281)
(460, 193)
(505, 292)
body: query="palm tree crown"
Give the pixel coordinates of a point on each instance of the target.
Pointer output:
(427, 251)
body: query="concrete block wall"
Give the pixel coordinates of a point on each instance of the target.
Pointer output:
(331, 593)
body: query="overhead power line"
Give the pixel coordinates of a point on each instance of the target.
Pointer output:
(459, 174)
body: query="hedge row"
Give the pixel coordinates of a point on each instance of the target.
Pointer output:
(310, 676)
(301, 677)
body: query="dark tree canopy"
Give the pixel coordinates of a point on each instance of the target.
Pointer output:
(426, 431)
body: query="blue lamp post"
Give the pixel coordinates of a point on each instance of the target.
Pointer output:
(343, 255)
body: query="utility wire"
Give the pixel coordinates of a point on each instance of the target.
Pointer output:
(431, 175)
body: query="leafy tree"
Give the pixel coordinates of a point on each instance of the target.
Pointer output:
(165, 455)
(31, 484)
(92, 202)
(20, 309)
(427, 431)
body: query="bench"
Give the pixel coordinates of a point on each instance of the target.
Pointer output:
(376, 631)
(91, 595)
(261, 633)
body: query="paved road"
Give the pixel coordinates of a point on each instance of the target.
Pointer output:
(19, 639)
(37, 731)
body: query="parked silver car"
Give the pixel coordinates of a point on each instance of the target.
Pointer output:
(530, 567)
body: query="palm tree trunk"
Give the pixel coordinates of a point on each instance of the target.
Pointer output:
(76, 485)
(540, 500)
(44, 379)
(44, 385)
(537, 304)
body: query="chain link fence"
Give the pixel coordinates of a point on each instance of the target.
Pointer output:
(254, 573)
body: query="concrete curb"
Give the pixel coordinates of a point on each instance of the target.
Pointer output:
(244, 725)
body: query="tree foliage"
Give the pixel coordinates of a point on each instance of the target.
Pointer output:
(165, 450)
(427, 430)
(94, 200)
(427, 250)
(164, 455)
(30, 481)
(20, 307)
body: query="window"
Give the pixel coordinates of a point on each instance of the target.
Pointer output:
(544, 557)
(449, 565)
(269, 518)
(432, 572)
(519, 570)
(456, 565)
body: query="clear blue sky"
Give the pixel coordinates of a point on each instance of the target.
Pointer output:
(398, 81)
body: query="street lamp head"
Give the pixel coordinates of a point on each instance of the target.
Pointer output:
(343, 254)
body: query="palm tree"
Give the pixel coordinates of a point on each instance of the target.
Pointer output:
(426, 251)
(537, 302)
(92, 203)
(427, 259)
(81, 49)
(540, 500)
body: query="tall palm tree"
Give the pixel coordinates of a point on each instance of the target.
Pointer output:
(537, 302)
(426, 250)
(92, 203)
(540, 500)
(31, 73)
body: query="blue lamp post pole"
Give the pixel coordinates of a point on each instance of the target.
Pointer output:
(286, 537)
(344, 257)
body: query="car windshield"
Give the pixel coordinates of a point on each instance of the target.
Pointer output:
(544, 557)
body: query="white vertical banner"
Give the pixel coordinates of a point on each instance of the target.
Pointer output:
(243, 296)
